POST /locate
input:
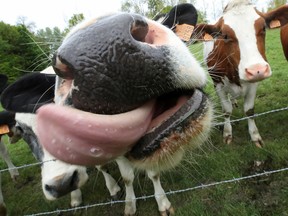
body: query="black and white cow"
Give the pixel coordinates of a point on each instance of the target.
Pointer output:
(184, 13)
(182, 19)
(7, 123)
(127, 90)
(58, 177)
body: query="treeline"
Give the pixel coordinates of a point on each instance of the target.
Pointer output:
(18, 52)
(23, 51)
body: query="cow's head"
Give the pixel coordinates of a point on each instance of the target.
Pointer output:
(239, 49)
(24, 97)
(128, 86)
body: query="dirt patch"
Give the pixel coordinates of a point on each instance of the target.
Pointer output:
(268, 193)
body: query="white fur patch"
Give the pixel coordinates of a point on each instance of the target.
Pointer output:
(242, 20)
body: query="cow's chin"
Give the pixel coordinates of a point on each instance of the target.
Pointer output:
(155, 133)
(181, 123)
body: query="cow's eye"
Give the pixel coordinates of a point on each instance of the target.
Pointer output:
(225, 37)
(262, 31)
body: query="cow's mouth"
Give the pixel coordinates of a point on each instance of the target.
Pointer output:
(85, 138)
(173, 112)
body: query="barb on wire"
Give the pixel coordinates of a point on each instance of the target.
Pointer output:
(253, 116)
(26, 165)
(202, 186)
(216, 124)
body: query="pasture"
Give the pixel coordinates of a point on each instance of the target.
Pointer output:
(213, 162)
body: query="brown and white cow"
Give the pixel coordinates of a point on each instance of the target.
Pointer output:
(236, 59)
(284, 39)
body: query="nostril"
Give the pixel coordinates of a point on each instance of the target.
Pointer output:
(74, 179)
(249, 72)
(139, 30)
(48, 188)
(62, 69)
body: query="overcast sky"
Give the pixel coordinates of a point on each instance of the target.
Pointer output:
(54, 12)
(57, 12)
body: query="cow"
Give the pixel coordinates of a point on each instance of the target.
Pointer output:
(236, 57)
(127, 90)
(7, 123)
(284, 39)
(58, 177)
(6, 127)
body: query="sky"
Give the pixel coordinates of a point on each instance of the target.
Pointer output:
(53, 13)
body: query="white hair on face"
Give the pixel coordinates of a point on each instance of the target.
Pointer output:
(236, 4)
(241, 19)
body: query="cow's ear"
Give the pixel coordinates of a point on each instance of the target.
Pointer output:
(277, 17)
(7, 118)
(29, 93)
(206, 32)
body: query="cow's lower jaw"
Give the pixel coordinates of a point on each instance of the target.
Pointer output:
(84, 138)
(186, 129)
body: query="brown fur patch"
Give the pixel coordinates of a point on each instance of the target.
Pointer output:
(224, 59)
(260, 30)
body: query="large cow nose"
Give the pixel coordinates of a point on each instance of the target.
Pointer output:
(62, 185)
(257, 72)
(83, 43)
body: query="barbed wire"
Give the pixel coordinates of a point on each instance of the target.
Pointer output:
(253, 116)
(265, 173)
(214, 125)
(26, 165)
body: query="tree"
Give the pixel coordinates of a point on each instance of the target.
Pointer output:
(154, 6)
(75, 19)
(276, 3)
(201, 17)
(150, 8)
(22, 50)
(17, 53)
(135, 6)
(50, 38)
(22, 20)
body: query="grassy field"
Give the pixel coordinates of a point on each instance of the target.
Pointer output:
(214, 162)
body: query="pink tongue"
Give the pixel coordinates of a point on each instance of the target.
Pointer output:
(84, 138)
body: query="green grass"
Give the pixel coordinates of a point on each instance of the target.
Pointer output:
(214, 162)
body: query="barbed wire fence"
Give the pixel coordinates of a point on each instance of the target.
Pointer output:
(202, 186)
